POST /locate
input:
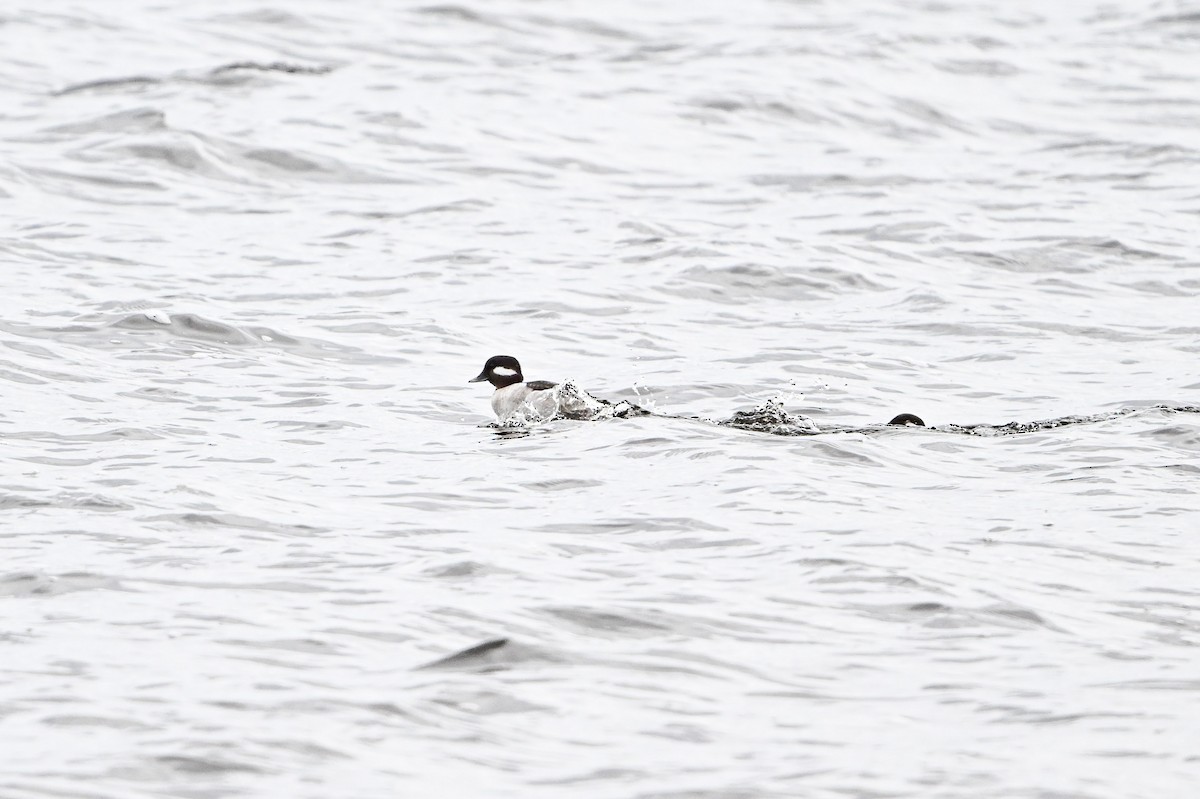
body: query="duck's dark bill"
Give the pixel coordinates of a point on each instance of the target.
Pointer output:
(479, 378)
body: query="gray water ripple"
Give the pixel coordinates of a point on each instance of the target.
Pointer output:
(30, 585)
(181, 331)
(227, 75)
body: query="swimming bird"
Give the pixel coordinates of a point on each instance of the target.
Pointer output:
(515, 400)
(907, 420)
(512, 393)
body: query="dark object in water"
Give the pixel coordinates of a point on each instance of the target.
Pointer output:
(906, 419)
(770, 417)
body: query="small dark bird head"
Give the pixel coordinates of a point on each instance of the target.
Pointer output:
(907, 419)
(500, 371)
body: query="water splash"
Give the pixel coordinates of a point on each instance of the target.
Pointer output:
(573, 403)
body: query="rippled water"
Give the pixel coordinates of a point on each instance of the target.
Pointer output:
(251, 510)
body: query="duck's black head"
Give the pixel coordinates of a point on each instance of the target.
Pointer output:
(908, 420)
(500, 371)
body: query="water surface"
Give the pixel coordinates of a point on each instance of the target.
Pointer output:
(251, 254)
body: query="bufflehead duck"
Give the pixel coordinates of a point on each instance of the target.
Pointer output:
(514, 400)
(513, 393)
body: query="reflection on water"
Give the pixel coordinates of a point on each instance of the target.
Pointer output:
(261, 539)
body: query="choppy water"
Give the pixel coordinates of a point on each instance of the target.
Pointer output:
(251, 254)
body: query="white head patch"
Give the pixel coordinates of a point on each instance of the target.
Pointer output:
(504, 371)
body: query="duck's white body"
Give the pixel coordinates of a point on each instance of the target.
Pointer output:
(525, 403)
(516, 402)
